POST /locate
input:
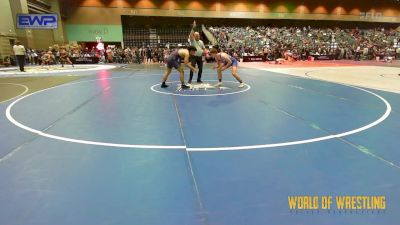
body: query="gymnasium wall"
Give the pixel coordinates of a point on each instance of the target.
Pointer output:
(7, 28)
(103, 14)
(6, 21)
(30, 38)
(356, 10)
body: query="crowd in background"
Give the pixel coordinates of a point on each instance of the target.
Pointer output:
(145, 55)
(271, 42)
(299, 43)
(52, 55)
(128, 55)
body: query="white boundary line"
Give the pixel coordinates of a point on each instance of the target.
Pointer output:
(91, 68)
(208, 95)
(340, 135)
(22, 126)
(21, 85)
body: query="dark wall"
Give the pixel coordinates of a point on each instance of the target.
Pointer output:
(154, 21)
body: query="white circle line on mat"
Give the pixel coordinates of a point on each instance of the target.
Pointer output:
(22, 93)
(205, 95)
(222, 148)
(86, 69)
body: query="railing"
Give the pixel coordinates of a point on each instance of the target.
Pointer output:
(143, 37)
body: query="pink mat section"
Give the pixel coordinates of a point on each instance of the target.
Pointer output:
(329, 63)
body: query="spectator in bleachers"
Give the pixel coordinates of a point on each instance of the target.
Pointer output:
(7, 61)
(338, 42)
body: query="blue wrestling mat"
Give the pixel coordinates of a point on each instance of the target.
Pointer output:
(115, 148)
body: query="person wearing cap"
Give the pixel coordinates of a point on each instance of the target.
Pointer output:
(19, 51)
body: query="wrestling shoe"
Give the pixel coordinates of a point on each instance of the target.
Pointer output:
(219, 84)
(184, 86)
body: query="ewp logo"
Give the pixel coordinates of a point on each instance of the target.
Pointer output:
(37, 21)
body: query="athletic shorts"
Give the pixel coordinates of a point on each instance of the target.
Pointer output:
(234, 62)
(173, 62)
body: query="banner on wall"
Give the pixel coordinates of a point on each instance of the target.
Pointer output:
(37, 21)
(91, 33)
(253, 59)
(84, 60)
(323, 57)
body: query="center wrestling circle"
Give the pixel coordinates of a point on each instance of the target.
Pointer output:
(205, 89)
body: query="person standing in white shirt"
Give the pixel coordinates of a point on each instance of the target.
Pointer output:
(198, 58)
(19, 51)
